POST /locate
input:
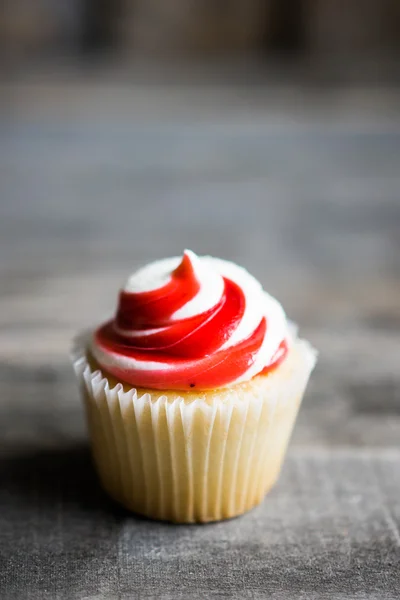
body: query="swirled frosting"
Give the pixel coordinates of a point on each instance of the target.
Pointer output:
(191, 322)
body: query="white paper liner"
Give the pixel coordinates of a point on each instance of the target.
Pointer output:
(183, 458)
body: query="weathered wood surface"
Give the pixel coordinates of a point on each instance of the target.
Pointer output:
(302, 188)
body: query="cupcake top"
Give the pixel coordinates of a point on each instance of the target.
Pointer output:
(191, 322)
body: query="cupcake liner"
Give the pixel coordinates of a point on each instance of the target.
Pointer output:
(183, 457)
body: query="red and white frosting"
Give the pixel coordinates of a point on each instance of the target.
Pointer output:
(192, 322)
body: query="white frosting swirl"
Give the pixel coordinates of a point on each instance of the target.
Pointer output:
(209, 273)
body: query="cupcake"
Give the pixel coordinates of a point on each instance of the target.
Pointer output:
(191, 390)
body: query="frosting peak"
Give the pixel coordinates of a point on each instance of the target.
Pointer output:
(191, 322)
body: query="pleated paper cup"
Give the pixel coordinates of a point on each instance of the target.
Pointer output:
(192, 456)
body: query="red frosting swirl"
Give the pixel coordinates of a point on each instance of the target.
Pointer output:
(148, 345)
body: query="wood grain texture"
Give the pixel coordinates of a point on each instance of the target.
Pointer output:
(328, 530)
(299, 186)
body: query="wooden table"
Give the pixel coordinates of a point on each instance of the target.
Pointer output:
(299, 185)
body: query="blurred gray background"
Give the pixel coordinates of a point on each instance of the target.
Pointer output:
(264, 134)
